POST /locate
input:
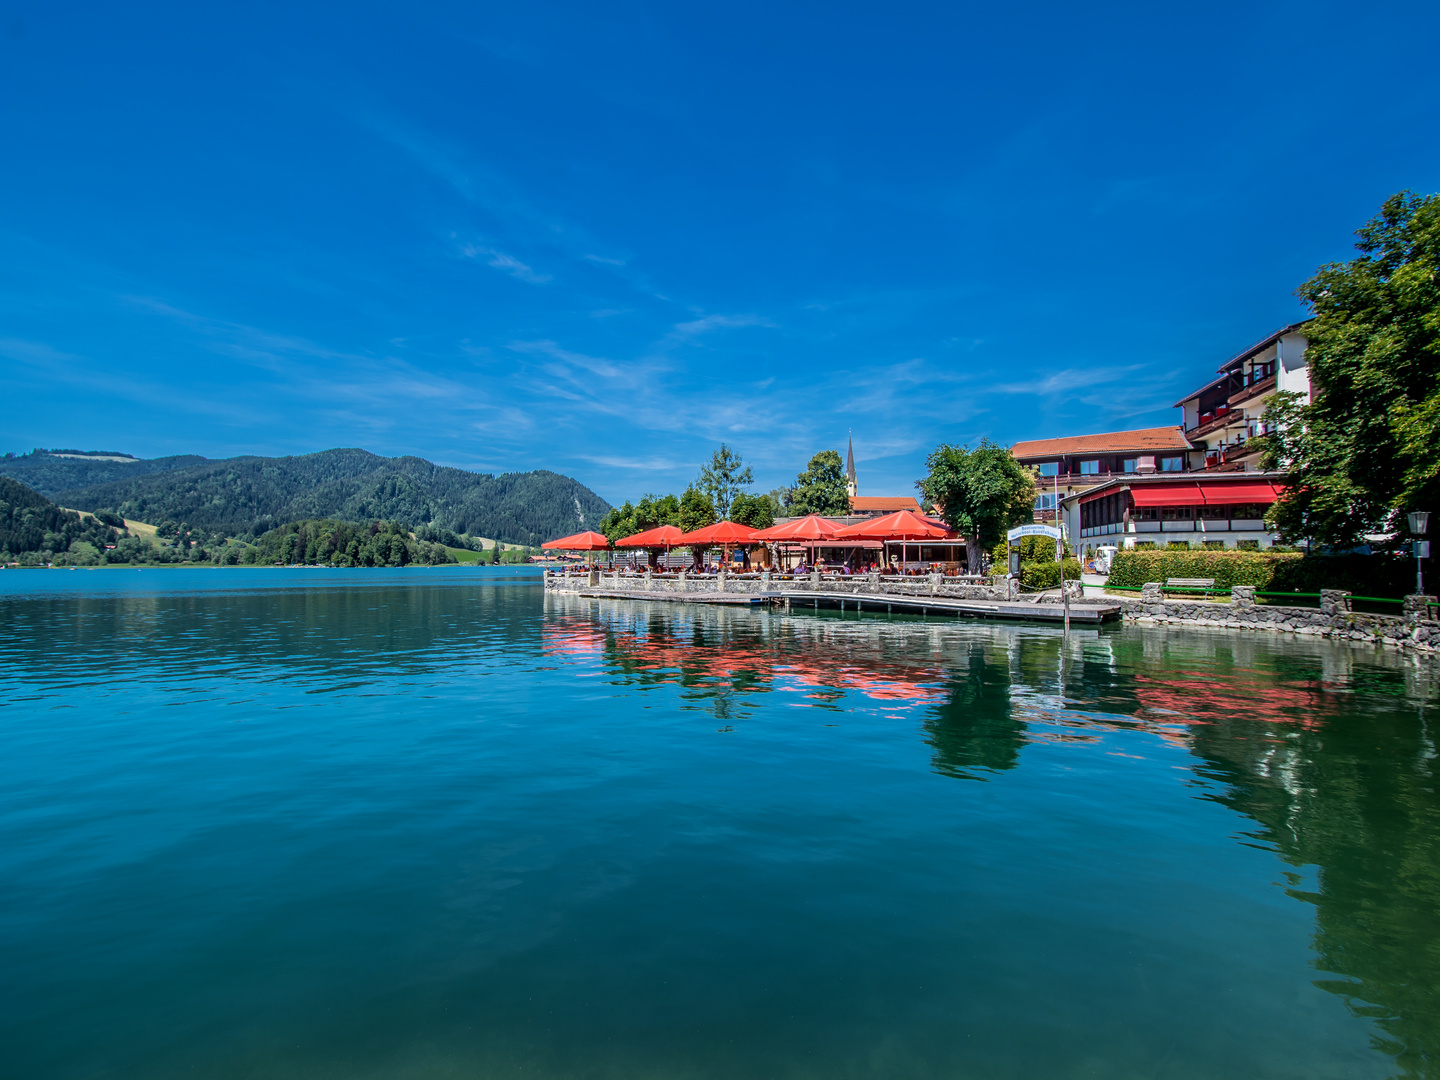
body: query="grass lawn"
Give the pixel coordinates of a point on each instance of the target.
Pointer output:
(464, 555)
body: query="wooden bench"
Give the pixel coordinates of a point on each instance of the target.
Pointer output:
(1188, 584)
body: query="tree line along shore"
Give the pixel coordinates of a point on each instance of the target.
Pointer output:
(37, 532)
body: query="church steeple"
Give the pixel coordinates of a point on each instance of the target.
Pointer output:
(852, 486)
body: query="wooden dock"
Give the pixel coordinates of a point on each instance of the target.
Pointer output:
(1088, 614)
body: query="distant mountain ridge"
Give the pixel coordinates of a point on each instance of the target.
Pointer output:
(251, 494)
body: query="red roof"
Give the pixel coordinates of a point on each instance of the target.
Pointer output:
(1115, 442)
(660, 536)
(902, 525)
(869, 504)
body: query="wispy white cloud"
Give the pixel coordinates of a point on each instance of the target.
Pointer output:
(697, 327)
(604, 260)
(501, 261)
(593, 364)
(1068, 379)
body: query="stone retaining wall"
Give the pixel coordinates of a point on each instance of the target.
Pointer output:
(1415, 629)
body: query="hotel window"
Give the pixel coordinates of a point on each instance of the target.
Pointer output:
(1145, 513)
(1045, 502)
(1215, 513)
(1128, 465)
(1249, 511)
(1175, 513)
(1089, 468)
(1172, 464)
(1049, 468)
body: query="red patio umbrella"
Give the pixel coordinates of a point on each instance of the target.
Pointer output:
(583, 541)
(724, 533)
(660, 536)
(812, 527)
(903, 525)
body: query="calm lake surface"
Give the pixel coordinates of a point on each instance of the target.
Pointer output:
(432, 823)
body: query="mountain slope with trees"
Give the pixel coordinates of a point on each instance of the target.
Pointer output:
(251, 495)
(52, 471)
(29, 522)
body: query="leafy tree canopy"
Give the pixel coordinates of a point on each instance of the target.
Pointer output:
(756, 511)
(724, 478)
(696, 510)
(1368, 448)
(631, 518)
(982, 493)
(821, 488)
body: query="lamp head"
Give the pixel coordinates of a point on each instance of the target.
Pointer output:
(1419, 521)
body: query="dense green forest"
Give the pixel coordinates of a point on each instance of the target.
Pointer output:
(248, 496)
(34, 531)
(31, 523)
(341, 543)
(52, 472)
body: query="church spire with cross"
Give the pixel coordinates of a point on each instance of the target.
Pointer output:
(852, 486)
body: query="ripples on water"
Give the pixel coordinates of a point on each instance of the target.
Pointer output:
(435, 823)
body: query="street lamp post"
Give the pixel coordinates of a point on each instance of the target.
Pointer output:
(1419, 526)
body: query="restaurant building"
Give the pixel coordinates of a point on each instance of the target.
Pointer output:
(1223, 418)
(1224, 510)
(1077, 464)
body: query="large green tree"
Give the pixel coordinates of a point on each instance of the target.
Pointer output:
(696, 510)
(821, 488)
(725, 477)
(757, 511)
(981, 493)
(1367, 449)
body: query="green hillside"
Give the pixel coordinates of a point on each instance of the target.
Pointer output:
(51, 472)
(250, 495)
(29, 522)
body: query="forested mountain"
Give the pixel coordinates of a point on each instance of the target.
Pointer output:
(30, 522)
(249, 495)
(52, 471)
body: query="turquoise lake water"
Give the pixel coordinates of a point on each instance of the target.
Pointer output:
(433, 823)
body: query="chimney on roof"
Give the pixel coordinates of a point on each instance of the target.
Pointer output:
(852, 487)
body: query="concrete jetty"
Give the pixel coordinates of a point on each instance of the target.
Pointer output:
(933, 595)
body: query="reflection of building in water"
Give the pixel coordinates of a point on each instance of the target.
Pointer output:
(1328, 751)
(1321, 745)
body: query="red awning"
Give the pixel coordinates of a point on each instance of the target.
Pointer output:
(1167, 495)
(1208, 493)
(1242, 491)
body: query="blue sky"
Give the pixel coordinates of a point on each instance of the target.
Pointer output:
(602, 238)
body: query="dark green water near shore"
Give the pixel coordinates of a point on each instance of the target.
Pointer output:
(432, 823)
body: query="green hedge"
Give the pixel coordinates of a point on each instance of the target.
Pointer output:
(1135, 568)
(1046, 575)
(1364, 575)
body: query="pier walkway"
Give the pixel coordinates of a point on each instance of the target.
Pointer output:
(908, 597)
